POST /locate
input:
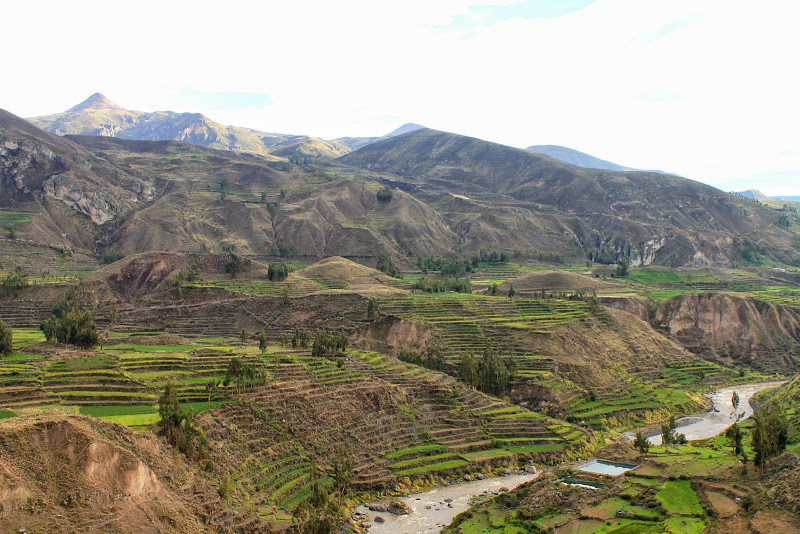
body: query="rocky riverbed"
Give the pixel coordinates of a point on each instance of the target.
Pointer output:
(720, 417)
(432, 510)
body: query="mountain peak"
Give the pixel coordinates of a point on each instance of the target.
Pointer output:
(408, 127)
(96, 101)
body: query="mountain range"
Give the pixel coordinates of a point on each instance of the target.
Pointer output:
(452, 195)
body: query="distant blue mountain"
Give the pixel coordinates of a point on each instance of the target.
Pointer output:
(580, 159)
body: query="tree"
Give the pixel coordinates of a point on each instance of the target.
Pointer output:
(667, 436)
(386, 265)
(262, 342)
(236, 264)
(224, 186)
(342, 474)
(277, 272)
(243, 336)
(735, 402)
(13, 283)
(77, 328)
(734, 434)
(642, 444)
(468, 368)
(171, 413)
(511, 291)
(6, 338)
(372, 309)
(622, 267)
(384, 194)
(769, 435)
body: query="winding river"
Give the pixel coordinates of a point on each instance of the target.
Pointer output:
(720, 417)
(434, 509)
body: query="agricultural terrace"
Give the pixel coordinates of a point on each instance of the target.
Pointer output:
(682, 489)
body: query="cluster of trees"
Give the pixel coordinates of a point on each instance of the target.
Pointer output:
(669, 436)
(72, 320)
(322, 512)
(490, 257)
(186, 276)
(237, 264)
(326, 344)
(445, 266)
(75, 328)
(386, 265)
(443, 285)
(277, 273)
(13, 283)
(769, 435)
(491, 373)
(6, 339)
(283, 249)
(432, 358)
(178, 427)
(300, 338)
(240, 373)
(384, 194)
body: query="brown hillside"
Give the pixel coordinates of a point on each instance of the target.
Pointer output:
(735, 330)
(555, 281)
(644, 217)
(345, 274)
(72, 474)
(143, 273)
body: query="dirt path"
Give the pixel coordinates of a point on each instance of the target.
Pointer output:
(721, 416)
(431, 510)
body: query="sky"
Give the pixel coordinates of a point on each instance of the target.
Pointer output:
(704, 89)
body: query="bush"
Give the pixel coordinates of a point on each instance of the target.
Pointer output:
(6, 338)
(13, 283)
(386, 265)
(236, 264)
(277, 273)
(384, 194)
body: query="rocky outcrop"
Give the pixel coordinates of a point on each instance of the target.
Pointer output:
(734, 330)
(638, 307)
(64, 473)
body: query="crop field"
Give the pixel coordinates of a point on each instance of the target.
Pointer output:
(470, 323)
(655, 277)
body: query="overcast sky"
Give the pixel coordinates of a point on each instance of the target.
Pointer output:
(704, 89)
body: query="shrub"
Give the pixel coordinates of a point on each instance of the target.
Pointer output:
(384, 194)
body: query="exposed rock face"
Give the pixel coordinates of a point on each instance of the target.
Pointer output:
(734, 330)
(33, 163)
(63, 474)
(635, 306)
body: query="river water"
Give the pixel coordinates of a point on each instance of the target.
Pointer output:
(721, 416)
(431, 511)
(434, 509)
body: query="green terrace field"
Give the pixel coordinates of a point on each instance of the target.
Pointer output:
(470, 322)
(665, 494)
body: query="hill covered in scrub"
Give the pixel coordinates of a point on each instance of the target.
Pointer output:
(644, 217)
(451, 195)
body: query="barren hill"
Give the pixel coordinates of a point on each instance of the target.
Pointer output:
(735, 330)
(73, 474)
(554, 281)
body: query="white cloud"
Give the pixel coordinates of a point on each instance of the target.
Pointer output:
(704, 89)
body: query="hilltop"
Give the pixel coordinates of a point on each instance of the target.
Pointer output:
(575, 157)
(550, 205)
(97, 115)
